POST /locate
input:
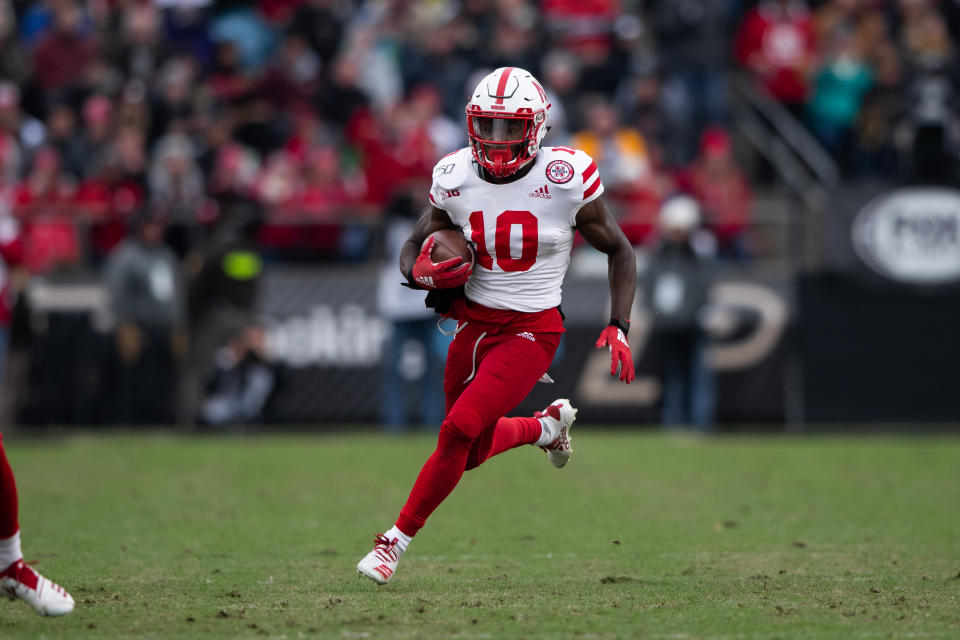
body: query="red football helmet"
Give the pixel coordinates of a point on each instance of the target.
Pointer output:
(506, 120)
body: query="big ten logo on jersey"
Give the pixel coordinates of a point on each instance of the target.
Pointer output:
(453, 193)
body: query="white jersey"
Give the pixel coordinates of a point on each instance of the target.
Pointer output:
(523, 230)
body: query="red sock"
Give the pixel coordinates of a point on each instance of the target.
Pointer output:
(439, 475)
(506, 434)
(8, 497)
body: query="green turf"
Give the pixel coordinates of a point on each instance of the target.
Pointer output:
(641, 536)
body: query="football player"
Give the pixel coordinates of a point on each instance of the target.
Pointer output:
(17, 579)
(519, 203)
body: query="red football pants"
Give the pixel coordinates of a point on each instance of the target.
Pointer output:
(486, 376)
(8, 497)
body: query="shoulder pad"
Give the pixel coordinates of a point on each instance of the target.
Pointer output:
(564, 166)
(452, 170)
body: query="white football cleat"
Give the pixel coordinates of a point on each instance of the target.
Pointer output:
(47, 598)
(380, 564)
(559, 417)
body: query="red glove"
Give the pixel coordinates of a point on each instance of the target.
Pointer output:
(448, 274)
(614, 339)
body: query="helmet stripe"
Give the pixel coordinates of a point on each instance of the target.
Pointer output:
(543, 94)
(502, 85)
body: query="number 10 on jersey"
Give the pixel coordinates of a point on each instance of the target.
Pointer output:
(529, 240)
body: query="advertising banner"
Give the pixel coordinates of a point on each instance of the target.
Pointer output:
(878, 323)
(907, 237)
(325, 334)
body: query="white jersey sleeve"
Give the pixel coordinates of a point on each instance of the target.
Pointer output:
(587, 185)
(450, 172)
(575, 173)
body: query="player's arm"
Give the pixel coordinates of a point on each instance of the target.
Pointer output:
(415, 256)
(597, 226)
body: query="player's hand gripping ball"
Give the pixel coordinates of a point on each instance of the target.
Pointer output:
(445, 262)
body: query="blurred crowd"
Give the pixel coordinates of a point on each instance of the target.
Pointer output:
(876, 81)
(321, 111)
(174, 144)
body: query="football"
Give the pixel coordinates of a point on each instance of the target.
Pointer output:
(450, 243)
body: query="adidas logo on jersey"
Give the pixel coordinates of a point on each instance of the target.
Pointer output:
(527, 336)
(542, 192)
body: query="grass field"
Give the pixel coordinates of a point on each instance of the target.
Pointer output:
(641, 536)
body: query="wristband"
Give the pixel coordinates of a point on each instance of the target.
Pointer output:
(623, 325)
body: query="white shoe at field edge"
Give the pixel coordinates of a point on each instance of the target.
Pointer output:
(560, 415)
(380, 564)
(45, 596)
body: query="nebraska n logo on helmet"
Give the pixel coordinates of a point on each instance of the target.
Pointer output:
(506, 120)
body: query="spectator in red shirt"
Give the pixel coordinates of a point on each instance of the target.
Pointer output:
(45, 188)
(309, 131)
(324, 195)
(64, 50)
(11, 256)
(228, 80)
(721, 187)
(42, 201)
(776, 43)
(234, 172)
(293, 77)
(425, 108)
(278, 185)
(231, 184)
(396, 150)
(579, 20)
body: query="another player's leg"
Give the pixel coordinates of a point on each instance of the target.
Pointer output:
(506, 373)
(17, 579)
